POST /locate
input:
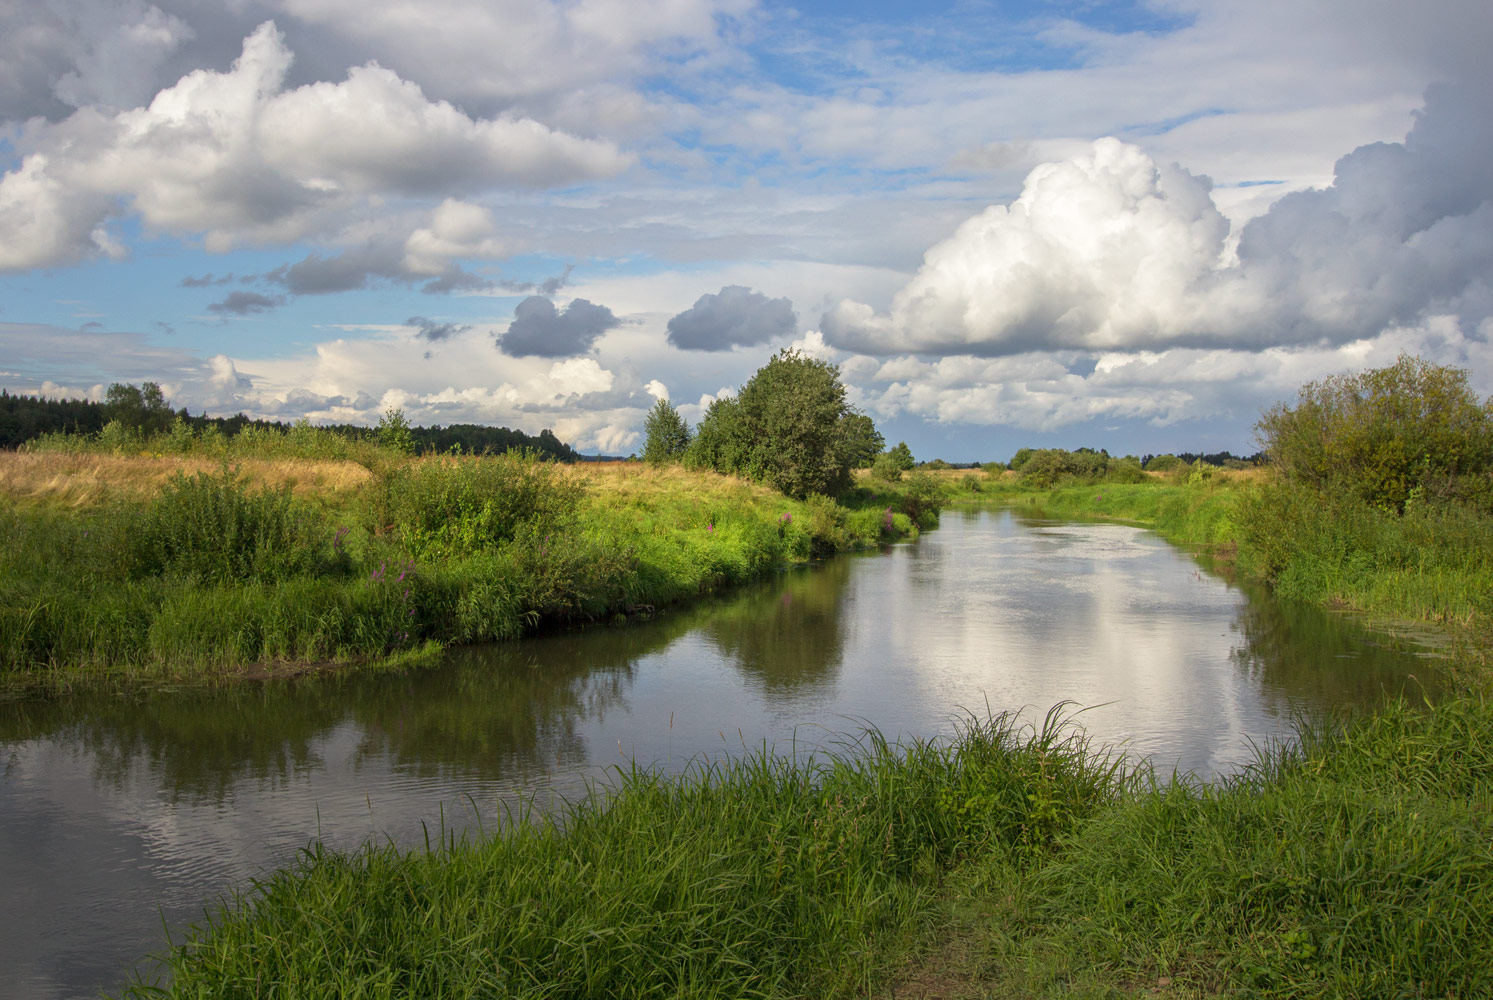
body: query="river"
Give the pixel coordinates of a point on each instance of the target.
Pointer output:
(121, 815)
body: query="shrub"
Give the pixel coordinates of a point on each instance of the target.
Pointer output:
(211, 528)
(886, 468)
(459, 506)
(901, 456)
(394, 432)
(1163, 463)
(1126, 470)
(922, 495)
(1051, 466)
(1387, 435)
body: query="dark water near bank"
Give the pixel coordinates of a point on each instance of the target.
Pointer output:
(117, 813)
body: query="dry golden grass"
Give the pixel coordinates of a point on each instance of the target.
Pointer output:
(639, 482)
(80, 480)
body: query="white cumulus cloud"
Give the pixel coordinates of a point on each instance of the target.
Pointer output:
(238, 158)
(1111, 251)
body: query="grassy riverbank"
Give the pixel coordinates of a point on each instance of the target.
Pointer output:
(1012, 861)
(167, 566)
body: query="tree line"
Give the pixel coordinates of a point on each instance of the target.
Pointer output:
(144, 408)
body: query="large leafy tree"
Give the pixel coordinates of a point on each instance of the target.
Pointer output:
(791, 413)
(668, 434)
(789, 426)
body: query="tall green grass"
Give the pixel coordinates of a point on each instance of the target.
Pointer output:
(759, 876)
(301, 441)
(1358, 863)
(1433, 562)
(1354, 862)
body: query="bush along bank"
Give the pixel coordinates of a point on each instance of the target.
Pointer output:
(212, 573)
(1014, 860)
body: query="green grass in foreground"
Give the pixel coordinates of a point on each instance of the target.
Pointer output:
(1359, 864)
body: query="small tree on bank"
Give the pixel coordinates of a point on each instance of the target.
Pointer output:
(668, 434)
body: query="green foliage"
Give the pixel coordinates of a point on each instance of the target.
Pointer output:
(1434, 562)
(790, 412)
(886, 468)
(1163, 463)
(1356, 865)
(667, 434)
(1388, 436)
(394, 432)
(212, 529)
(860, 441)
(922, 495)
(721, 441)
(210, 576)
(786, 427)
(1020, 458)
(1050, 466)
(1125, 470)
(901, 457)
(141, 408)
(462, 506)
(1200, 473)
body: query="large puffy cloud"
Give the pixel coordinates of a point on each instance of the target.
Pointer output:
(238, 157)
(1109, 251)
(1105, 250)
(735, 316)
(540, 330)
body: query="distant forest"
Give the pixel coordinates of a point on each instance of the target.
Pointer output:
(25, 417)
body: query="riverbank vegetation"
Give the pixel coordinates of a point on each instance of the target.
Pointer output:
(109, 571)
(1014, 860)
(161, 566)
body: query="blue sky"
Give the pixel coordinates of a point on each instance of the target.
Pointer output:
(1122, 225)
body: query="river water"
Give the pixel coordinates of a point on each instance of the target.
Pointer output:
(121, 816)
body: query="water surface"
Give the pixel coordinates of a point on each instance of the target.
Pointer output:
(119, 813)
